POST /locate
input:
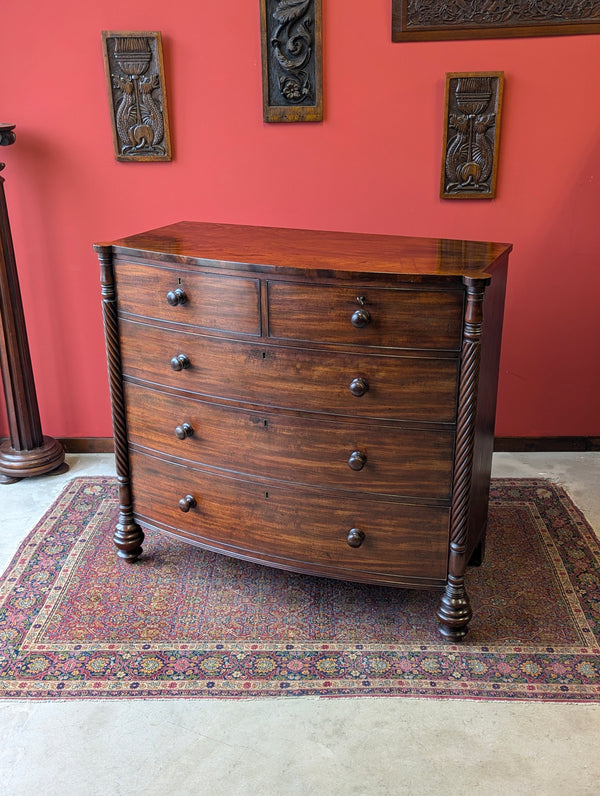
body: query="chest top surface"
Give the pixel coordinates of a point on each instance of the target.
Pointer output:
(298, 251)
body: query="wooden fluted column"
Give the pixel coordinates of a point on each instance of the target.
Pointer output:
(28, 452)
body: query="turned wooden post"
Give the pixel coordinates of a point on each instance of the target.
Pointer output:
(28, 452)
(455, 611)
(128, 536)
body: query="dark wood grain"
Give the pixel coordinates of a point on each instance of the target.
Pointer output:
(28, 452)
(300, 529)
(317, 401)
(413, 462)
(455, 609)
(512, 444)
(143, 291)
(392, 318)
(314, 253)
(410, 388)
(128, 536)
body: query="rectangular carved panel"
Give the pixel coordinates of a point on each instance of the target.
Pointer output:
(471, 135)
(484, 19)
(291, 40)
(137, 95)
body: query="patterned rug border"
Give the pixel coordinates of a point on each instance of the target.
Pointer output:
(274, 669)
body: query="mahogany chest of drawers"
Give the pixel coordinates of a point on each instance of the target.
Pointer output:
(315, 401)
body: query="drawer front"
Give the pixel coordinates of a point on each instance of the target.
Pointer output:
(411, 388)
(305, 530)
(366, 316)
(362, 458)
(225, 303)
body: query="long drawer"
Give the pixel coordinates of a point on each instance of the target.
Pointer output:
(379, 458)
(395, 318)
(222, 303)
(305, 530)
(409, 388)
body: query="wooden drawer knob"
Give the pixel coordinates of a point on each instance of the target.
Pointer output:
(358, 387)
(355, 537)
(176, 297)
(180, 362)
(360, 318)
(188, 502)
(357, 460)
(183, 431)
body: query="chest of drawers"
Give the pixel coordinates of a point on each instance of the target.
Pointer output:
(314, 401)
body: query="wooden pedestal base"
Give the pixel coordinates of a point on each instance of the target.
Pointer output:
(18, 464)
(28, 452)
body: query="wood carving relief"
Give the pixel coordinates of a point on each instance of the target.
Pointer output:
(455, 608)
(136, 89)
(291, 60)
(128, 536)
(478, 19)
(471, 134)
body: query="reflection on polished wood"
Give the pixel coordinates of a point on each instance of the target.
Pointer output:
(321, 402)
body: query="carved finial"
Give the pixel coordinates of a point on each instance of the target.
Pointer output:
(7, 136)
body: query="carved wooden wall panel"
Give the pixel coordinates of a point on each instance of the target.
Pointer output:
(471, 135)
(486, 19)
(137, 94)
(291, 36)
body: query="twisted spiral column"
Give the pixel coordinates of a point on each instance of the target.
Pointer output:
(128, 536)
(455, 611)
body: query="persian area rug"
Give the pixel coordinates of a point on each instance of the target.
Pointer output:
(76, 622)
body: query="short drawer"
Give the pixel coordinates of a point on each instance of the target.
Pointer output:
(300, 529)
(345, 383)
(396, 318)
(222, 303)
(371, 458)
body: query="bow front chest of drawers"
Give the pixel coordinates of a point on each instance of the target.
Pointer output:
(315, 401)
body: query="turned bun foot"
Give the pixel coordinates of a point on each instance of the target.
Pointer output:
(455, 611)
(128, 540)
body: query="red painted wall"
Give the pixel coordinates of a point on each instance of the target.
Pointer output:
(373, 165)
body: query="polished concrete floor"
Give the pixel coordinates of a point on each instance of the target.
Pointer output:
(285, 747)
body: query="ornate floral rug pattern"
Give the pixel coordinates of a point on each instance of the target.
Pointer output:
(76, 622)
